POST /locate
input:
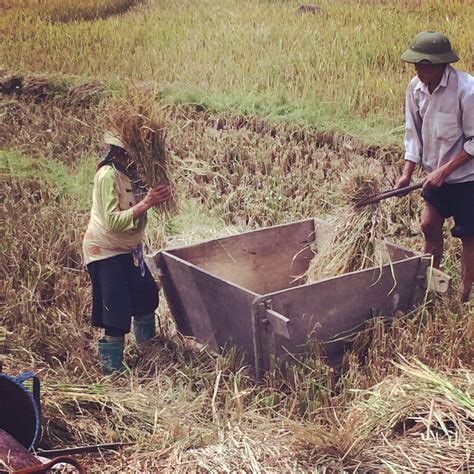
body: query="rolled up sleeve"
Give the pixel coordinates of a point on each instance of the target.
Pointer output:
(413, 140)
(469, 146)
(467, 107)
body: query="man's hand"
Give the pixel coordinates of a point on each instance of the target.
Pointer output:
(435, 179)
(405, 178)
(403, 182)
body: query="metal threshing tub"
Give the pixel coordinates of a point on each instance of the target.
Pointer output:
(246, 290)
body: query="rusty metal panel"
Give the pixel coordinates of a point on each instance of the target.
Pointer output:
(241, 290)
(330, 308)
(13, 455)
(215, 311)
(279, 324)
(262, 261)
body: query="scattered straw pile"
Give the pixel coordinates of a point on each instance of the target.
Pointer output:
(188, 410)
(136, 120)
(352, 235)
(407, 423)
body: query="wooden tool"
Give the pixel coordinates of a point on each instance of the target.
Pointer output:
(389, 193)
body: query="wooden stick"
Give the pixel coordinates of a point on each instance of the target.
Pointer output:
(81, 449)
(390, 193)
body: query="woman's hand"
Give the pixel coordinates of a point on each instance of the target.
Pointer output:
(157, 195)
(153, 197)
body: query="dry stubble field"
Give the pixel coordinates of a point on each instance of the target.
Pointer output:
(266, 113)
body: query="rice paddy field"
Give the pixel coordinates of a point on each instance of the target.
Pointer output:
(267, 115)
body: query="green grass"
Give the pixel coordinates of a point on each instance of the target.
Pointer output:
(75, 182)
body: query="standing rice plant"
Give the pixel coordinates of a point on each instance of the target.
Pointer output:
(79, 10)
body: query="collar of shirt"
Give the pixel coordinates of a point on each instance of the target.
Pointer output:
(443, 83)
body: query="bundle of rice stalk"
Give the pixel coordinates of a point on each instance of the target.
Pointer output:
(241, 449)
(137, 122)
(106, 410)
(460, 395)
(350, 242)
(427, 416)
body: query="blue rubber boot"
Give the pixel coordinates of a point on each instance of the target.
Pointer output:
(111, 354)
(144, 327)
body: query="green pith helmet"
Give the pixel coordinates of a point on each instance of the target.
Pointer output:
(431, 47)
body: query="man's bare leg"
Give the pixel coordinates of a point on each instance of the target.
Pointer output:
(432, 227)
(467, 261)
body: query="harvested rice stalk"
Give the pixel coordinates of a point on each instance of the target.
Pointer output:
(137, 122)
(412, 421)
(351, 240)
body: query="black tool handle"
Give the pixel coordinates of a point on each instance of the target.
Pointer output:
(390, 193)
(81, 449)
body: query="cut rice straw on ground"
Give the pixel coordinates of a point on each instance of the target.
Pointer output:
(352, 235)
(406, 422)
(137, 122)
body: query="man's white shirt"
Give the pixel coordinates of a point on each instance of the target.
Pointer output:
(440, 124)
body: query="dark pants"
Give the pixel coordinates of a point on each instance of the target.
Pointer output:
(120, 292)
(457, 201)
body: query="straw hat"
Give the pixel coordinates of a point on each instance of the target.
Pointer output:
(112, 139)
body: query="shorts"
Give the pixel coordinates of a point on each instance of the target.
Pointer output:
(457, 201)
(119, 291)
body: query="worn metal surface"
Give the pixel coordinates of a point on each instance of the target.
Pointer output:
(331, 309)
(437, 280)
(215, 311)
(13, 455)
(397, 253)
(242, 291)
(262, 261)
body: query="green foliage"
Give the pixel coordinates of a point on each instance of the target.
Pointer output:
(53, 175)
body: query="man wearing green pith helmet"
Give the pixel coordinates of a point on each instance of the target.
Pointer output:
(439, 136)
